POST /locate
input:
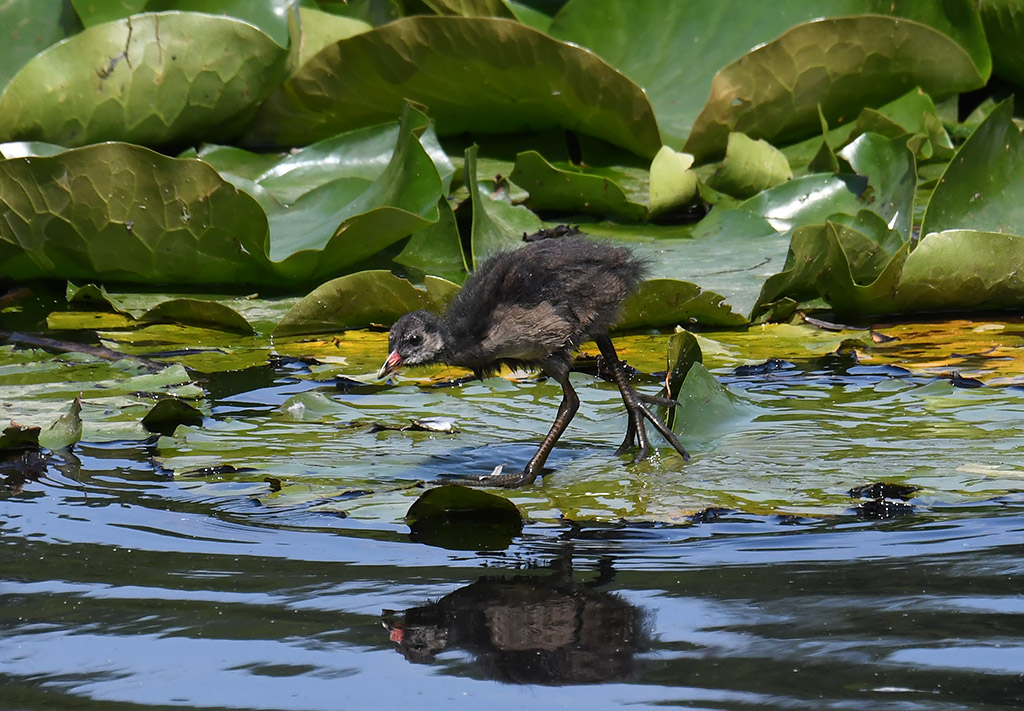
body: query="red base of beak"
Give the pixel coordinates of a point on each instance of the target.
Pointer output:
(392, 364)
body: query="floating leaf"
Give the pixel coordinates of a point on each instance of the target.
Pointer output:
(749, 167)
(320, 29)
(116, 212)
(464, 518)
(145, 79)
(672, 183)
(891, 171)
(345, 221)
(566, 190)
(90, 297)
(706, 406)
(497, 224)
(642, 39)
(168, 413)
(362, 299)
(962, 270)
(195, 312)
(839, 65)
(983, 186)
(65, 430)
(509, 78)
(30, 26)
(15, 436)
(660, 303)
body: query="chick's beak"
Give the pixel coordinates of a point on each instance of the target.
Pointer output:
(390, 365)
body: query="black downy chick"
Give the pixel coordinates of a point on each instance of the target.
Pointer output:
(533, 307)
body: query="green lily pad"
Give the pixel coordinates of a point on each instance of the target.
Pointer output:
(168, 413)
(144, 79)
(839, 65)
(641, 38)
(345, 221)
(891, 171)
(962, 270)
(232, 161)
(91, 297)
(683, 353)
(65, 430)
(849, 269)
(1004, 26)
(362, 299)
(913, 113)
(509, 77)
(672, 183)
(30, 26)
(464, 518)
(498, 225)
(567, 190)
(321, 29)
(15, 436)
(749, 167)
(95, 12)
(116, 212)
(983, 186)
(660, 303)
(436, 250)
(807, 200)
(195, 312)
(707, 407)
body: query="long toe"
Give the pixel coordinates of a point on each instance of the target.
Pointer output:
(496, 479)
(667, 433)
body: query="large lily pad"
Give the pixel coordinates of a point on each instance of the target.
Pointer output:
(983, 186)
(362, 299)
(117, 212)
(30, 26)
(150, 78)
(661, 303)
(962, 270)
(342, 222)
(673, 50)
(836, 66)
(473, 74)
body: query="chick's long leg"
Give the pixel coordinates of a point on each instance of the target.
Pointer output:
(566, 411)
(635, 407)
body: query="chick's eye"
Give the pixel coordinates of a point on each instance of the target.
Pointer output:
(413, 339)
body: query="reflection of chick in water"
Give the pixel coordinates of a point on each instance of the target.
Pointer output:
(528, 629)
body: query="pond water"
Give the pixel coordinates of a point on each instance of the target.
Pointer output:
(126, 584)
